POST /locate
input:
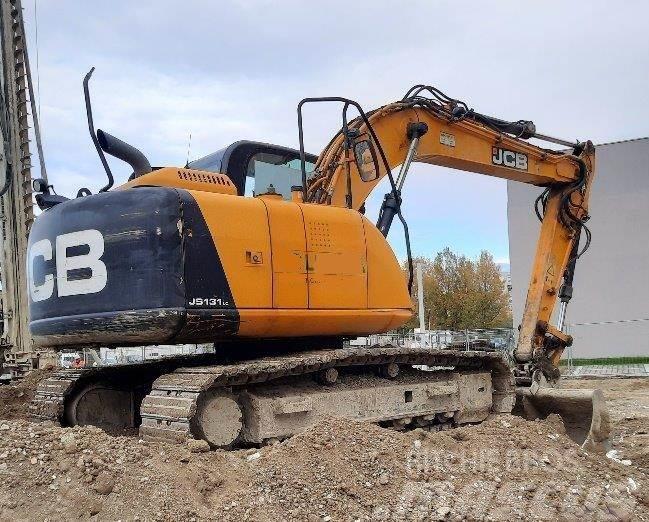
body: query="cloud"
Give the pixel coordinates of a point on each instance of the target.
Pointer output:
(236, 69)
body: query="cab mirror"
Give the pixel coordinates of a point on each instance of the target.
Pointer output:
(366, 160)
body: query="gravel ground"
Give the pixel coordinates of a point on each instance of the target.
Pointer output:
(503, 469)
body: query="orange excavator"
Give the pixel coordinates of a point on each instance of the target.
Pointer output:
(265, 251)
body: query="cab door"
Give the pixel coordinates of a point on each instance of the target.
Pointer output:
(336, 255)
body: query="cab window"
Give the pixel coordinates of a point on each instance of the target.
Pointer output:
(264, 170)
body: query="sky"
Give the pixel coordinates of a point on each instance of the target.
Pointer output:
(229, 70)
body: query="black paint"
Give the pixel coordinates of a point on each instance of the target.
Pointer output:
(159, 256)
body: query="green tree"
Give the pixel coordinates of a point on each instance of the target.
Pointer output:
(462, 293)
(490, 301)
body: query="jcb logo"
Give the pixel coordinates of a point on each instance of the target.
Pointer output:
(508, 158)
(89, 262)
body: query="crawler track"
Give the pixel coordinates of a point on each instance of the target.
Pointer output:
(169, 409)
(53, 393)
(176, 384)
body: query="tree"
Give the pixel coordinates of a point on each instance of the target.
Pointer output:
(460, 293)
(490, 296)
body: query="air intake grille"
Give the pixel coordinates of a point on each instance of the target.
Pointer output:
(203, 177)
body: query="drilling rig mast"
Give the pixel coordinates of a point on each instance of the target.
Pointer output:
(17, 355)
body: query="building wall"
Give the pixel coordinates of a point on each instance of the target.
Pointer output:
(609, 312)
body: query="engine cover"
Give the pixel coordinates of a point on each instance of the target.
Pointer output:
(167, 265)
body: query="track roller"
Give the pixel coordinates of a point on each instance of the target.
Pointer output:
(219, 419)
(328, 376)
(389, 371)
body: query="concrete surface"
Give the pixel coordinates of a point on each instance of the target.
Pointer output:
(618, 370)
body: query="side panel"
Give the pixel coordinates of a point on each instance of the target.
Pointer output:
(289, 255)
(337, 262)
(315, 323)
(386, 281)
(154, 265)
(239, 229)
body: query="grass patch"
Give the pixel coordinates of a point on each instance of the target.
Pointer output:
(606, 361)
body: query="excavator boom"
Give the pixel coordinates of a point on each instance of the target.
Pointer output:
(447, 133)
(427, 126)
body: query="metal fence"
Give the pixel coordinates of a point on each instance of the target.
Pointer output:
(494, 339)
(85, 357)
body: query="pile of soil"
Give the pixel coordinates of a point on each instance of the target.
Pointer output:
(15, 398)
(503, 469)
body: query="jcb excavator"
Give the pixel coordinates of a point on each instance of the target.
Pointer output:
(278, 276)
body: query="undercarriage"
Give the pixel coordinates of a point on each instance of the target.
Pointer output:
(268, 399)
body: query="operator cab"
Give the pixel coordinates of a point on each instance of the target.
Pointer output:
(253, 167)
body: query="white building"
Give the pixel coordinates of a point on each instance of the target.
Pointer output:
(609, 313)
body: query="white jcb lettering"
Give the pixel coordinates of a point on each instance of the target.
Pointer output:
(509, 158)
(90, 285)
(91, 262)
(42, 248)
(521, 161)
(497, 156)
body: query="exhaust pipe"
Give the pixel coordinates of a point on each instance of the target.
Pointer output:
(122, 150)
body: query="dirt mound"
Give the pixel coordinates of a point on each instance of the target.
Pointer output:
(338, 470)
(15, 397)
(51, 472)
(503, 469)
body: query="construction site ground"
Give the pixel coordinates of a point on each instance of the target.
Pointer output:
(504, 469)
